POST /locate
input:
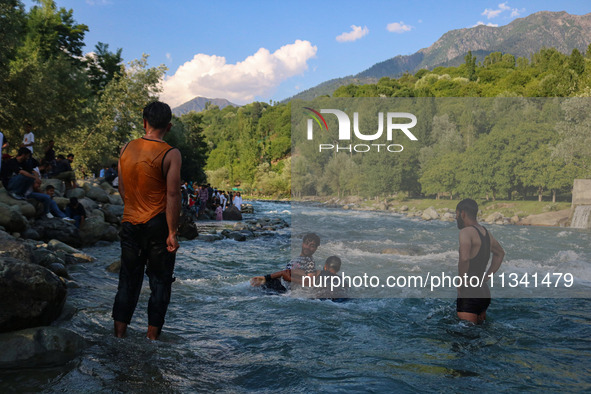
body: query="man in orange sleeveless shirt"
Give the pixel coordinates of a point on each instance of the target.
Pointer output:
(149, 183)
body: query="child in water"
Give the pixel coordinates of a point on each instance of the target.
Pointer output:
(272, 281)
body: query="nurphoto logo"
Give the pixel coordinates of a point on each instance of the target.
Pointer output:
(344, 130)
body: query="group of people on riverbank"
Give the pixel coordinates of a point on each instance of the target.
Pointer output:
(22, 176)
(198, 198)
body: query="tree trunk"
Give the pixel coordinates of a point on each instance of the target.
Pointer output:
(540, 194)
(553, 196)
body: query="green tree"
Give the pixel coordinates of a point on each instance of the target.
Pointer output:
(102, 66)
(118, 113)
(470, 62)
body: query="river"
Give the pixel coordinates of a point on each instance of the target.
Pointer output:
(223, 335)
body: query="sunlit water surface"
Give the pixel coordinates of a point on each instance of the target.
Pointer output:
(223, 335)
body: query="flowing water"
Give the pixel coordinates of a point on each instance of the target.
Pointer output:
(223, 335)
(581, 217)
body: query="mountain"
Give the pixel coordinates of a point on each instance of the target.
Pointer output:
(521, 38)
(198, 104)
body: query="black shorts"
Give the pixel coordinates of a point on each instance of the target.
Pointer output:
(472, 305)
(274, 286)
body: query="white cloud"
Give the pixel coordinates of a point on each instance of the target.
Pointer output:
(168, 57)
(490, 13)
(355, 34)
(398, 27)
(479, 23)
(257, 75)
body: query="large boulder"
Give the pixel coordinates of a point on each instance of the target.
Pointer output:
(88, 204)
(113, 213)
(115, 199)
(430, 214)
(187, 226)
(15, 248)
(22, 206)
(106, 186)
(30, 295)
(494, 218)
(70, 255)
(555, 218)
(12, 219)
(232, 213)
(77, 192)
(97, 194)
(58, 229)
(39, 347)
(93, 230)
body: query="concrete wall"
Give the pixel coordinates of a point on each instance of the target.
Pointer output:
(581, 192)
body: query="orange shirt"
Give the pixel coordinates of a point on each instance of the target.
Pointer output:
(143, 179)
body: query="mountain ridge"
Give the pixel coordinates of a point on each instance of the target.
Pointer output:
(199, 103)
(521, 38)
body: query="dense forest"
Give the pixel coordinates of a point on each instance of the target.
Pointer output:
(500, 147)
(91, 105)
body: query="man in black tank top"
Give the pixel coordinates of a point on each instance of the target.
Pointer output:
(476, 246)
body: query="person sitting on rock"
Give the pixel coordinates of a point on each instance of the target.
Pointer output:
(64, 172)
(50, 208)
(76, 211)
(18, 175)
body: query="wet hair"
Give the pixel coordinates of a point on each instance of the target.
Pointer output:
(312, 237)
(469, 206)
(333, 263)
(158, 114)
(23, 151)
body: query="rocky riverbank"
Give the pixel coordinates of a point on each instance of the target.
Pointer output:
(34, 281)
(499, 213)
(35, 253)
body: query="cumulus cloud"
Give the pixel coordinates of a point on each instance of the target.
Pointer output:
(257, 75)
(355, 34)
(398, 27)
(493, 13)
(479, 23)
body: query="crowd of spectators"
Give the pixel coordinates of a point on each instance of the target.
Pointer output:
(199, 198)
(22, 174)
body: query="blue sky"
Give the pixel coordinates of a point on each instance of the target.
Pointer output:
(263, 50)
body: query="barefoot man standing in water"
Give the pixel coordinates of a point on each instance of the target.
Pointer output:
(476, 245)
(149, 183)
